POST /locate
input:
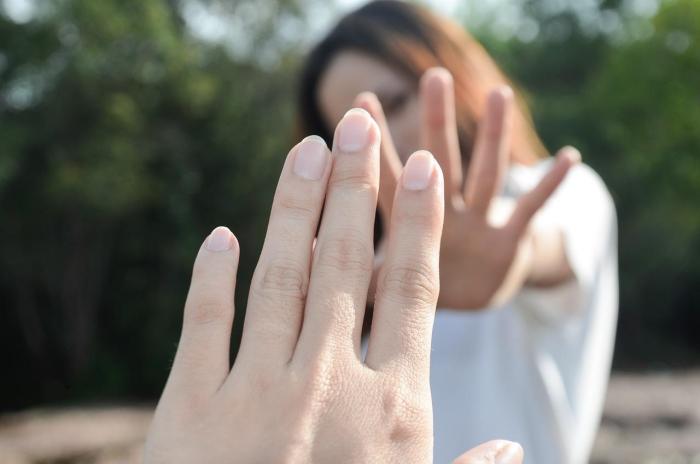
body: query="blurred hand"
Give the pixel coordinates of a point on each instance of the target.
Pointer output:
(299, 390)
(493, 452)
(482, 262)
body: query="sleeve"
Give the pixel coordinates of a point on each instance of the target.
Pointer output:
(583, 210)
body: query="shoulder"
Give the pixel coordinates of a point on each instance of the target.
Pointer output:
(583, 196)
(583, 179)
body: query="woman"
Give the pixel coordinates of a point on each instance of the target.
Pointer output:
(523, 336)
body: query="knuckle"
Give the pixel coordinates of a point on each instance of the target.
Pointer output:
(208, 312)
(347, 253)
(322, 379)
(407, 414)
(295, 206)
(493, 131)
(413, 216)
(352, 177)
(417, 285)
(260, 382)
(282, 278)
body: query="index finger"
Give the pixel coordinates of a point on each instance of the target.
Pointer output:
(389, 162)
(439, 129)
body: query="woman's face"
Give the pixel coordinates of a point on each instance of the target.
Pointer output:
(351, 73)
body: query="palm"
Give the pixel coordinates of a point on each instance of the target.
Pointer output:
(473, 265)
(479, 253)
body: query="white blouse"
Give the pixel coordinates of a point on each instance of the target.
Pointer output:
(535, 370)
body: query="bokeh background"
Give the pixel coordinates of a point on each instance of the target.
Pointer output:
(130, 128)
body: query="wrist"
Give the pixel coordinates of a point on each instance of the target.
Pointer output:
(528, 250)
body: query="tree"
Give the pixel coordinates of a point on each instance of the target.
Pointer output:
(124, 141)
(645, 104)
(628, 98)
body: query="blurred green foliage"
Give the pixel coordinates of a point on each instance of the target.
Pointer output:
(633, 108)
(125, 138)
(124, 142)
(646, 104)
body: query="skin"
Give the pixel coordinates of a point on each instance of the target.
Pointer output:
(299, 391)
(485, 257)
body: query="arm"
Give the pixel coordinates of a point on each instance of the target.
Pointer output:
(540, 261)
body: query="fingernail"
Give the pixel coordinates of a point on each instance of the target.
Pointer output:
(505, 91)
(311, 158)
(418, 171)
(365, 100)
(440, 73)
(353, 132)
(219, 239)
(509, 454)
(573, 154)
(499, 98)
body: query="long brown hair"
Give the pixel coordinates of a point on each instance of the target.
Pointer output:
(411, 39)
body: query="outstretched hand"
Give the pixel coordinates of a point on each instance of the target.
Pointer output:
(299, 390)
(482, 261)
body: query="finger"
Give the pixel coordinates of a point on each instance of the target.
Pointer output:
(379, 255)
(491, 152)
(280, 282)
(408, 283)
(439, 128)
(202, 360)
(390, 163)
(532, 201)
(493, 452)
(342, 262)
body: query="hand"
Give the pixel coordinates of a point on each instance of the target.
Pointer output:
(299, 390)
(493, 452)
(483, 261)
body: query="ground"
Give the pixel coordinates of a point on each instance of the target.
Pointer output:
(648, 419)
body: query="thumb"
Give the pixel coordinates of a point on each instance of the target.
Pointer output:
(493, 452)
(533, 200)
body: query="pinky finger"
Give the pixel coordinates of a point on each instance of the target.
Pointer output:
(532, 201)
(202, 359)
(493, 452)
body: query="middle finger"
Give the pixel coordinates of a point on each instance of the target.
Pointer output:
(342, 263)
(439, 131)
(489, 163)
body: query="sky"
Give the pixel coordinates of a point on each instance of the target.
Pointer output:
(18, 10)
